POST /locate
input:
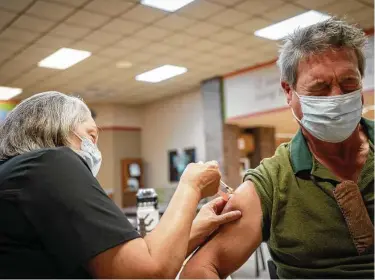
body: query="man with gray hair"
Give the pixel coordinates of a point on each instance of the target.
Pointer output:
(313, 201)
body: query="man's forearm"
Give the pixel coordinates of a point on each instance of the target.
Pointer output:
(193, 270)
(168, 242)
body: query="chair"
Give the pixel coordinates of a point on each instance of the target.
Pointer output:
(272, 269)
(258, 251)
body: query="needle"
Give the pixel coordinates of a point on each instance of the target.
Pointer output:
(229, 189)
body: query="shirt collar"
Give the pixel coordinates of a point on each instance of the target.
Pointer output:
(301, 157)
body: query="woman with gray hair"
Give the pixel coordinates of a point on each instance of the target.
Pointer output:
(57, 222)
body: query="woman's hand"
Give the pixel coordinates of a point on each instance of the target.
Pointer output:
(208, 220)
(203, 177)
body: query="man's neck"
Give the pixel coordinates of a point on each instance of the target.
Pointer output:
(344, 159)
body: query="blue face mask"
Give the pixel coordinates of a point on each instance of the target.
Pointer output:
(331, 118)
(91, 154)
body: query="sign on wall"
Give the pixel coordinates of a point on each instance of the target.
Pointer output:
(5, 108)
(259, 91)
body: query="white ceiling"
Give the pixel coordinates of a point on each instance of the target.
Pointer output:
(209, 37)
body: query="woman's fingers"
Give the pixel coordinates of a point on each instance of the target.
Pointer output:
(228, 217)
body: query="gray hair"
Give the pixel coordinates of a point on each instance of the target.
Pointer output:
(331, 33)
(44, 120)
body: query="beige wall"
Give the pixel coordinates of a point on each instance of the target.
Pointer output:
(174, 123)
(120, 137)
(110, 115)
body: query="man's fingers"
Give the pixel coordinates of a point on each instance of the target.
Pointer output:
(228, 217)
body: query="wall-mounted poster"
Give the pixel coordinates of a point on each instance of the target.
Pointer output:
(178, 162)
(5, 108)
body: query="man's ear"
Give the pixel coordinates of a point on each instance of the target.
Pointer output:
(287, 91)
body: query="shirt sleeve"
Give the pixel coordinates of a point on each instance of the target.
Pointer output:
(262, 180)
(69, 210)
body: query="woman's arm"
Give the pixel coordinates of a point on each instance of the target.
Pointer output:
(162, 252)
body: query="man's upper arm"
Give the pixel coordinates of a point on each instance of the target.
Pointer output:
(233, 244)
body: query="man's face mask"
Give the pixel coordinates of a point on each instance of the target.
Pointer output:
(91, 154)
(331, 118)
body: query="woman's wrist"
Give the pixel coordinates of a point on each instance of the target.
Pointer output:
(190, 191)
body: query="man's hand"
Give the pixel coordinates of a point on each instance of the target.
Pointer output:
(208, 220)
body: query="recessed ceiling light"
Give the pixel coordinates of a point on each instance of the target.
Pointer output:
(166, 5)
(124, 64)
(161, 73)
(7, 93)
(64, 58)
(281, 29)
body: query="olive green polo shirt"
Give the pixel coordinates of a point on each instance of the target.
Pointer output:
(302, 222)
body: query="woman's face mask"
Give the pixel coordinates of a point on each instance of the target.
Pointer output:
(331, 118)
(91, 154)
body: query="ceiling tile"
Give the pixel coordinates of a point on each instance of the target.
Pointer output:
(152, 33)
(180, 39)
(109, 7)
(227, 50)
(316, 4)
(86, 46)
(33, 23)
(252, 25)
(113, 52)
(227, 3)
(12, 69)
(34, 54)
(226, 36)
(5, 54)
(144, 14)
(120, 26)
(371, 2)
(102, 38)
(270, 47)
(184, 53)
(74, 3)
(200, 9)
(6, 17)
(157, 48)
(174, 22)
(15, 5)
(133, 43)
(258, 6)
(51, 11)
(250, 41)
(204, 45)
(228, 17)
(283, 12)
(56, 42)
(18, 35)
(364, 18)
(343, 7)
(202, 29)
(84, 18)
(33, 76)
(138, 57)
(70, 31)
(10, 46)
